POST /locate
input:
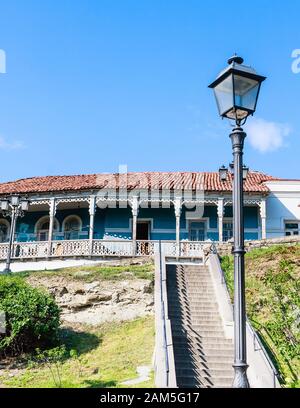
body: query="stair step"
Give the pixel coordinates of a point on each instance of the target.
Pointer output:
(208, 354)
(203, 360)
(194, 290)
(193, 325)
(207, 313)
(180, 314)
(215, 349)
(188, 380)
(179, 339)
(205, 317)
(211, 373)
(177, 331)
(202, 302)
(207, 322)
(186, 297)
(193, 305)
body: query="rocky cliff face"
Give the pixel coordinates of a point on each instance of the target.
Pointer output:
(100, 300)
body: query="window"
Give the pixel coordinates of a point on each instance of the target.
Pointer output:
(72, 225)
(292, 228)
(42, 228)
(4, 230)
(197, 231)
(227, 230)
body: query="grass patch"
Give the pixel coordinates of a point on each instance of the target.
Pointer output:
(96, 272)
(273, 303)
(101, 356)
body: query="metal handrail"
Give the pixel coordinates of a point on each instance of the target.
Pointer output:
(276, 373)
(163, 312)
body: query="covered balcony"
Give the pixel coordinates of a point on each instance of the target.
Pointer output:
(81, 226)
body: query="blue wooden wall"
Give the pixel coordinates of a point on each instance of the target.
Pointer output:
(116, 222)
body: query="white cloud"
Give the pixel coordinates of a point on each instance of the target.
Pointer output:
(16, 144)
(267, 136)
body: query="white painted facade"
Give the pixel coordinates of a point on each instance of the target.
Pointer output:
(283, 208)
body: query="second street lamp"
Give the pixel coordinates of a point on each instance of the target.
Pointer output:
(12, 207)
(236, 91)
(223, 171)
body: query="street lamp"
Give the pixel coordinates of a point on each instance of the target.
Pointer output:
(236, 91)
(12, 207)
(223, 171)
(245, 172)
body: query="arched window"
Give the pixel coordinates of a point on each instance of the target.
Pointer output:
(4, 230)
(72, 225)
(42, 228)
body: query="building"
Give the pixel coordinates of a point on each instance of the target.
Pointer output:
(77, 211)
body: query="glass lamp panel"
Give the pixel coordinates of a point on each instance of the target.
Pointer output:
(15, 200)
(4, 205)
(24, 205)
(245, 92)
(245, 172)
(223, 173)
(224, 95)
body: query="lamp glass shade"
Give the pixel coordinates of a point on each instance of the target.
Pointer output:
(223, 173)
(24, 205)
(245, 95)
(245, 172)
(15, 200)
(4, 205)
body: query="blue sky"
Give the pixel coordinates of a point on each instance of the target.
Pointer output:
(94, 84)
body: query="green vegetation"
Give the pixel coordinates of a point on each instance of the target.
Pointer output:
(32, 317)
(273, 303)
(97, 272)
(101, 356)
(44, 355)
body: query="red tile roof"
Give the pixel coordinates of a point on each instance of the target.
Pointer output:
(210, 182)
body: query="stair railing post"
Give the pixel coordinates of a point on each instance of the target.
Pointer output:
(177, 209)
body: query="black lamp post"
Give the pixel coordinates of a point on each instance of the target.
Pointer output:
(12, 207)
(236, 91)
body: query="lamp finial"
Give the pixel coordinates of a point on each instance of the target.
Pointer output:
(235, 58)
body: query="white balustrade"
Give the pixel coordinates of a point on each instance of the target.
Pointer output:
(70, 248)
(3, 250)
(29, 250)
(112, 247)
(169, 248)
(100, 247)
(191, 248)
(145, 248)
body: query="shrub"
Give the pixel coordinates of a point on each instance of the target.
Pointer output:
(32, 317)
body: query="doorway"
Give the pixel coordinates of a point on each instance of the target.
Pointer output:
(142, 230)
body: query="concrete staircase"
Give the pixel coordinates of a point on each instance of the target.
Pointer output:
(203, 356)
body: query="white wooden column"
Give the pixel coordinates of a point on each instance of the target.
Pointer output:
(177, 209)
(263, 218)
(135, 210)
(220, 217)
(92, 210)
(52, 212)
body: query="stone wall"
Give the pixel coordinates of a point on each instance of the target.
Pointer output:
(226, 247)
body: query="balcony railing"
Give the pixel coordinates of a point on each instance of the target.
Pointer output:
(99, 248)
